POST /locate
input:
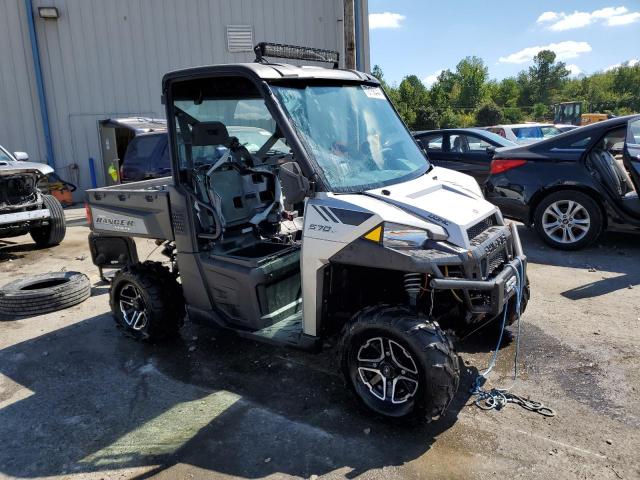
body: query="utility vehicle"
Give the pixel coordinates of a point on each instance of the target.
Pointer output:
(337, 225)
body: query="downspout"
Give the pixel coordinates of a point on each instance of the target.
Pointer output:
(358, 29)
(42, 98)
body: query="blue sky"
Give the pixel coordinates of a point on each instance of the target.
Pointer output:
(423, 37)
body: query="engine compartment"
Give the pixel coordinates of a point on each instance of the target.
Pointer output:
(18, 191)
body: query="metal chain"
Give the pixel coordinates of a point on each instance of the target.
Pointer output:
(433, 294)
(496, 398)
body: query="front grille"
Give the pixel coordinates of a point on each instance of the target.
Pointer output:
(496, 259)
(476, 230)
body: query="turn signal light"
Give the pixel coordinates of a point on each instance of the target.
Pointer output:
(87, 213)
(502, 165)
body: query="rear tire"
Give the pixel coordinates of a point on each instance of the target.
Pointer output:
(568, 220)
(53, 233)
(146, 301)
(417, 368)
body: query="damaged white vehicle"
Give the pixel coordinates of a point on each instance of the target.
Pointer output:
(23, 208)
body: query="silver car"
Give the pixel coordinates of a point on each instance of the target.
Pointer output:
(23, 207)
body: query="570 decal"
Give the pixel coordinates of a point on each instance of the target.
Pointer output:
(319, 228)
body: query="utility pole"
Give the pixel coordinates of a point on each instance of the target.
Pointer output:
(349, 35)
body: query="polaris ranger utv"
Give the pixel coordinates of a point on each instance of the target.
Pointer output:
(319, 217)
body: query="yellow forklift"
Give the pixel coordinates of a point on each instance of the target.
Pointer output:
(571, 113)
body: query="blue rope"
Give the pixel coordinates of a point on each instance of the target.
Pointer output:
(496, 398)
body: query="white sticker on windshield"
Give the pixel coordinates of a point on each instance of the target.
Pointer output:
(373, 92)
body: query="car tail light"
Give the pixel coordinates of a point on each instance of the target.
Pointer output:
(501, 165)
(87, 213)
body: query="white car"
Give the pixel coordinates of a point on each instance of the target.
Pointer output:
(525, 133)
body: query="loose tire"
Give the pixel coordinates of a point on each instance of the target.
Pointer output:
(146, 301)
(53, 233)
(399, 364)
(568, 220)
(43, 293)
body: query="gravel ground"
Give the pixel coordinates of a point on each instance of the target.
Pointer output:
(80, 400)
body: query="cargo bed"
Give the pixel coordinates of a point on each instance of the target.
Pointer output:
(140, 209)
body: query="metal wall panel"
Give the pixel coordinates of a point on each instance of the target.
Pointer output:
(20, 127)
(107, 58)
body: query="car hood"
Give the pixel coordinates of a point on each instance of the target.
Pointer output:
(12, 168)
(447, 198)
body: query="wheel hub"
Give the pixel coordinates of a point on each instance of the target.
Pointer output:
(387, 370)
(132, 307)
(566, 221)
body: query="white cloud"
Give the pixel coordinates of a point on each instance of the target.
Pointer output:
(630, 63)
(574, 69)
(547, 17)
(563, 51)
(610, 16)
(569, 22)
(385, 20)
(623, 19)
(429, 80)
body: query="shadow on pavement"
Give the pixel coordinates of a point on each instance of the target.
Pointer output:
(88, 399)
(613, 252)
(14, 251)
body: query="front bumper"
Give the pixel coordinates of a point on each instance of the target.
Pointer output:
(23, 217)
(501, 287)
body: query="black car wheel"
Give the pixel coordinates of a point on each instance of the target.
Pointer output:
(568, 220)
(53, 233)
(399, 364)
(146, 301)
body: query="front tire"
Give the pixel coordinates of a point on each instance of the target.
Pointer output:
(568, 220)
(399, 364)
(53, 233)
(147, 301)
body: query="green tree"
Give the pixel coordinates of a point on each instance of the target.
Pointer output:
(508, 93)
(489, 114)
(427, 118)
(540, 112)
(471, 75)
(546, 76)
(412, 95)
(512, 115)
(448, 119)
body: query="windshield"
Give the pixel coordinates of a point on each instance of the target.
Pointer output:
(5, 156)
(353, 134)
(247, 119)
(535, 132)
(494, 137)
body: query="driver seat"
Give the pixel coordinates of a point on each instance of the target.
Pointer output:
(243, 195)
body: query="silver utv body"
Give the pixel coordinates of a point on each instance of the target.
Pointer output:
(245, 262)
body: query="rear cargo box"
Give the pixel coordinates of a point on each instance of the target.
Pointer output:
(137, 209)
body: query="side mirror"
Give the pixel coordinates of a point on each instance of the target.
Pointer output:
(21, 156)
(295, 186)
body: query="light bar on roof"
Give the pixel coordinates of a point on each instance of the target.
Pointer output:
(294, 52)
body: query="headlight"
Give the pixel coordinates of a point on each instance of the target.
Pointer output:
(405, 237)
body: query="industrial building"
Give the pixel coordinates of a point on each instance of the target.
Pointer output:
(68, 65)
